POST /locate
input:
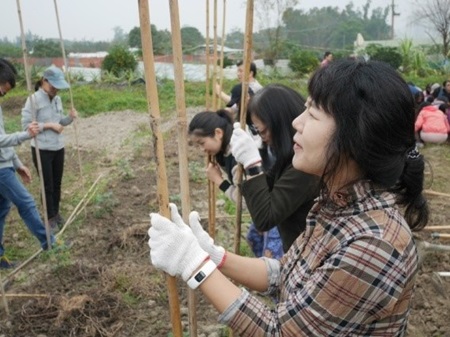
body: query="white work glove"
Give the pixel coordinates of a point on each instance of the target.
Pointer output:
(217, 253)
(173, 246)
(243, 148)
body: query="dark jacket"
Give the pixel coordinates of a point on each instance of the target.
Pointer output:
(286, 204)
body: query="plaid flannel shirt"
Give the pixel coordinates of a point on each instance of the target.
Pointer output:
(351, 273)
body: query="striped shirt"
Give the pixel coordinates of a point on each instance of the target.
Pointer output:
(351, 273)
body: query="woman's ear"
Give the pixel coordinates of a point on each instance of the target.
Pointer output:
(218, 133)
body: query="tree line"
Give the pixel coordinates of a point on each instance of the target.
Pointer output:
(316, 30)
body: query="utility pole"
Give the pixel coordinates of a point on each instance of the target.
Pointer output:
(393, 15)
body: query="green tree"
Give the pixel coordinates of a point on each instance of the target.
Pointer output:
(303, 61)
(235, 39)
(190, 38)
(134, 38)
(119, 36)
(389, 55)
(46, 48)
(332, 28)
(9, 49)
(161, 40)
(119, 61)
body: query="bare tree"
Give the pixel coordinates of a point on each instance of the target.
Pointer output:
(435, 15)
(269, 14)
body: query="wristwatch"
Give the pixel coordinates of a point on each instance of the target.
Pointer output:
(201, 275)
(253, 171)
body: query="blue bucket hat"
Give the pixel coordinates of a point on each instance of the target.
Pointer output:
(55, 77)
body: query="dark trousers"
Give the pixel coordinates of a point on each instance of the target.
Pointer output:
(52, 171)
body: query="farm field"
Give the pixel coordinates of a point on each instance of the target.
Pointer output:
(104, 285)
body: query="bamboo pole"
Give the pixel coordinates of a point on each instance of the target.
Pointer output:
(182, 140)
(66, 69)
(435, 228)
(33, 108)
(155, 122)
(243, 114)
(222, 47)
(207, 61)
(433, 247)
(81, 205)
(437, 194)
(212, 192)
(4, 299)
(214, 79)
(440, 236)
(209, 158)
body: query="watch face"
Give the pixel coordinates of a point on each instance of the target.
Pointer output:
(200, 276)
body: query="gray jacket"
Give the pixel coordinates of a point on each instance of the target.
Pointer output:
(46, 111)
(8, 157)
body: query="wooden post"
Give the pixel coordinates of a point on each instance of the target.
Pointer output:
(182, 140)
(243, 113)
(33, 112)
(209, 158)
(155, 123)
(207, 61)
(214, 78)
(221, 51)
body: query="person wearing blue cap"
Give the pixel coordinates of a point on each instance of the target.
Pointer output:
(45, 106)
(12, 191)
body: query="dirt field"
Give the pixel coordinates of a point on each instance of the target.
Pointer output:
(105, 286)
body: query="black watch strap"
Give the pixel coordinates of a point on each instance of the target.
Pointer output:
(253, 171)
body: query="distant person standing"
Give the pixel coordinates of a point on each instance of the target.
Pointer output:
(253, 83)
(327, 58)
(49, 115)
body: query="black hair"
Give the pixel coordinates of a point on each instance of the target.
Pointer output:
(277, 106)
(327, 53)
(252, 67)
(7, 72)
(38, 84)
(205, 123)
(374, 113)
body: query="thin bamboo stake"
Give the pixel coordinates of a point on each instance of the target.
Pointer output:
(444, 273)
(243, 114)
(436, 228)
(207, 61)
(182, 140)
(209, 158)
(81, 204)
(66, 69)
(440, 236)
(155, 122)
(33, 108)
(212, 192)
(438, 194)
(433, 247)
(214, 79)
(4, 299)
(27, 295)
(222, 47)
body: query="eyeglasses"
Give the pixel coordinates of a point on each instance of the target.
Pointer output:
(259, 132)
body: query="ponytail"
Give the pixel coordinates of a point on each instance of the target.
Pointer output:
(409, 191)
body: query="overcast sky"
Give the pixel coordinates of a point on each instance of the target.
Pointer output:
(95, 19)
